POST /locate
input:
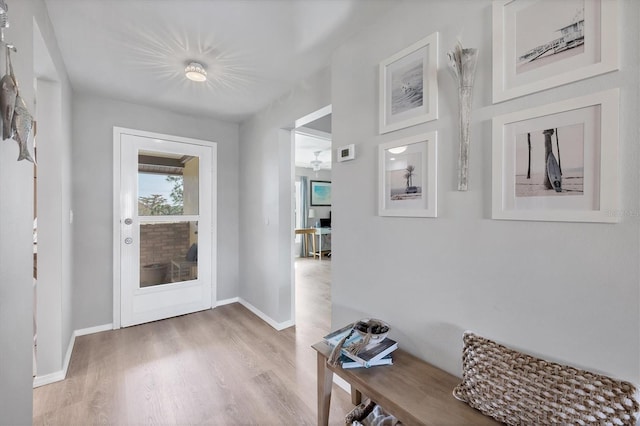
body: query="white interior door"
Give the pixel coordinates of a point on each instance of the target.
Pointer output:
(166, 249)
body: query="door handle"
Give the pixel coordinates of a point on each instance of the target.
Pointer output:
(128, 221)
(128, 240)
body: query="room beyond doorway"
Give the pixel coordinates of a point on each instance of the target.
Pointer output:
(312, 209)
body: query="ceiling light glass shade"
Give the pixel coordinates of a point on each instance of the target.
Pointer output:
(398, 150)
(195, 72)
(316, 163)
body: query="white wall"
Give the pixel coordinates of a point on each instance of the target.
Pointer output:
(431, 279)
(94, 119)
(50, 229)
(266, 197)
(53, 114)
(16, 220)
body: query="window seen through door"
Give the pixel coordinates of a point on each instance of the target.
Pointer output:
(167, 184)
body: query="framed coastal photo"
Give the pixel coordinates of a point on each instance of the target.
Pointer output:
(320, 193)
(539, 44)
(408, 176)
(409, 86)
(558, 162)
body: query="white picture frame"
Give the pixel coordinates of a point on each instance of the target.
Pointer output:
(409, 86)
(588, 186)
(404, 191)
(584, 33)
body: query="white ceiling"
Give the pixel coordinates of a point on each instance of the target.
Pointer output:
(254, 50)
(308, 141)
(311, 138)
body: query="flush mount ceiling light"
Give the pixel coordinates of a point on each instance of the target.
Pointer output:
(398, 150)
(195, 72)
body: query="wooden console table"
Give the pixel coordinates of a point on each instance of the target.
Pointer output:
(415, 392)
(308, 234)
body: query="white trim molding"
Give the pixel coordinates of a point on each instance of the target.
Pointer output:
(93, 330)
(342, 383)
(264, 317)
(303, 121)
(60, 375)
(227, 301)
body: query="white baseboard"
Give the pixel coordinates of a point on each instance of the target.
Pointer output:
(59, 375)
(277, 325)
(92, 330)
(67, 357)
(342, 383)
(48, 379)
(62, 374)
(228, 301)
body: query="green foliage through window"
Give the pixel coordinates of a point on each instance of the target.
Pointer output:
(157, 205)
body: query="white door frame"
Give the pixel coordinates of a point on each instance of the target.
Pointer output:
(117, 204)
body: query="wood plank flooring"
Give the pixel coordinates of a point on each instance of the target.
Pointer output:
(221, 367)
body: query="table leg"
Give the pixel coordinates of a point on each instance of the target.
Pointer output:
(313, 239)
(307, 245)
(325, 382)
(356, 396)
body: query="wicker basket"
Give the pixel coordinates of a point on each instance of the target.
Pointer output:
(519, 389)
(360, 413)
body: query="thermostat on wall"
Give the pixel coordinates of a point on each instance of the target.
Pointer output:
(347, 152)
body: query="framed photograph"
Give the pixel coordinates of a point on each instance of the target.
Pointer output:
(408, 176)
(558, 162)
(409, 86)
(539, 44)
(320, 193)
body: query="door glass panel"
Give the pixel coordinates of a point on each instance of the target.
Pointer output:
(168, 252)
(167, 184)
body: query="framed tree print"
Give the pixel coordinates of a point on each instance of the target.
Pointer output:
(409, 86)
(558, 162)
(408, 176)
(539, 44)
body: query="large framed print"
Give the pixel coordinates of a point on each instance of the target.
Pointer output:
(409, 86)
(539, 44)
(320, 192)
(558, 162)
(408, 176)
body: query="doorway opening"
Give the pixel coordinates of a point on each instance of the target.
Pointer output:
(312, 216)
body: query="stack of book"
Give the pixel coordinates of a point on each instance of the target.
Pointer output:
(375, 353)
